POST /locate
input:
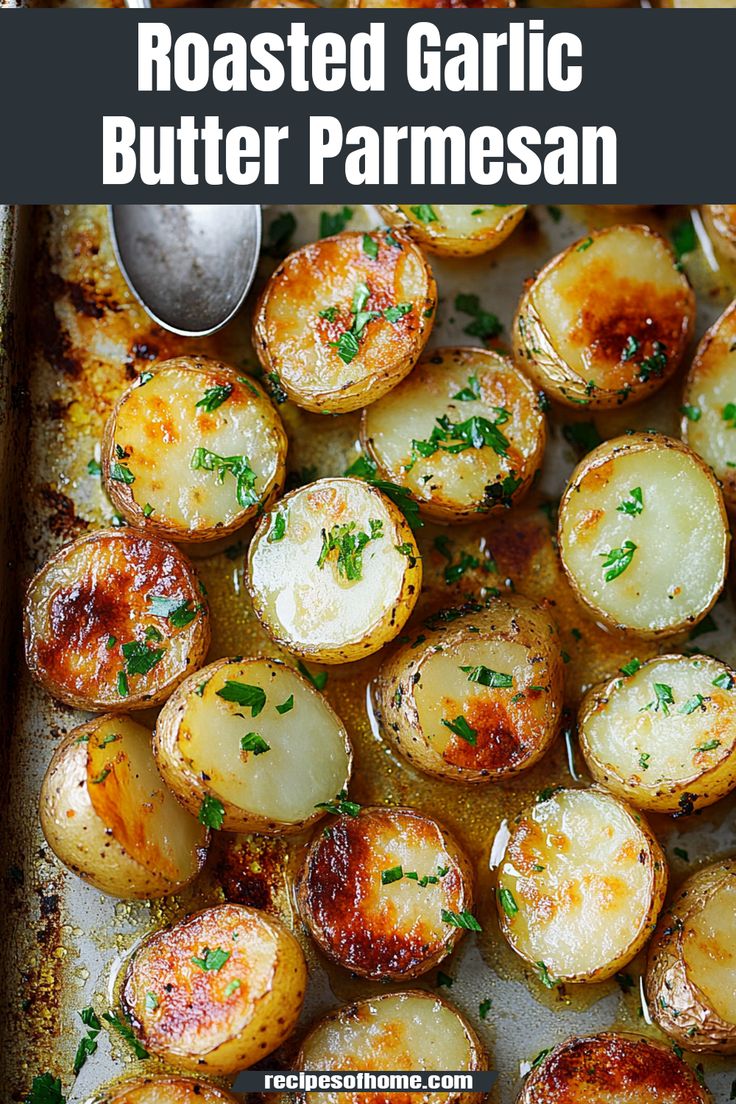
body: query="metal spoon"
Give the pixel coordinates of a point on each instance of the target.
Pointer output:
(189, 265)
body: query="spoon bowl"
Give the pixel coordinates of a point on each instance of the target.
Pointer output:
(190, 266)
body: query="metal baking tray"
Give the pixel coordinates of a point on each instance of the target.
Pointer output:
(71, 337)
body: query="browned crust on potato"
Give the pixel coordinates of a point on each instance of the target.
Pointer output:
(442, 244)
(172, 1090)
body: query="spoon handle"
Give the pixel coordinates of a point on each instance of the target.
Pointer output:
(137, 3)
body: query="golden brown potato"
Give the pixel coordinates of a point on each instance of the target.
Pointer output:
(463, 433)
(709, 402)
(386, 892)
(664, 737)
(643, 535)
(412, 1030)
(451, 229)
(606, 321)
(162, 1090)
(580, 885)
(343, 320)
(107, 815)
(719, 218)
(256, 743)
(115, 619)
(478, 700)
(193, 450)
(610, 1069)
(334, 571)
(691, 977)
(217, 991)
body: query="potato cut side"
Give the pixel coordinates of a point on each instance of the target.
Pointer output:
(115, 619)
(580, 885)
(452, 229)
(463, 433)
(709, 402)
(334, 571)
(256, 738)
(386, 892)
(107, 815)
(342, 320)
(664, 737)
(610, 1069)
(643, 534)
(478, 700)
(719, 218)
(162, 1090)
(691, 978)
(607, 321)
(396, 1031)
(216, 991)
(193, 450)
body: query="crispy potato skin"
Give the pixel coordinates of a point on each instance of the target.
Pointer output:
(162, 1090)
(392, 1047)
(95, 590)
(162, 427)
(511, 735)
(610, 1068)
(437, 236)
(597, 467)
(95, 832)
(720, 218)
(604, 320)
(710, 778)
(482, 472)
(293, 340)
(356, 920)
(197, 1023)
(676, 1002)
(189, 785)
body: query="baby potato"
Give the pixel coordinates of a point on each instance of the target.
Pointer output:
(691, 976)
(643, 535)
(193, 450)
(413, 1030)
(719, 218)
(272, 780)
(108, 817)
(385, 892)
(333, 571)
(217, 991)
(664, 737)
(611, 1068)
(343, 320)
(116, 618)
(580, 885)
(463, 433)
(606, 321)
(709, 402)
(451, 229)
(162, 1090)
(478, 700)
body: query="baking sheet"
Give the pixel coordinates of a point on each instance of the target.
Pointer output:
(65, 943)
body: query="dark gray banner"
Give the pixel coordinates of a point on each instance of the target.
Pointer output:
(460, 105)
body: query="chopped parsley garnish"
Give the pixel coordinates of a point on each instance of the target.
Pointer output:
(278, 528)
(394, 874)
(349, 544)
(363, 468)
(330, 313)
(120, 473)
(211, 812)
(585, 244)
(723, 681)
(147, 510)
(507, 901)
(211, 960)
(454, 437)
(684, 238)
(123, 1028)
(682, 853)
(692, 413)
(462, 729)
(241, 693)
(45, 1089)
(469, 393)
(453, 572)
(232, 987)
(728, 414)
(239, 468)
(347, 346)
(340, 806)
(214, 397)
(664, 698)
(488, 677)
(631, 348)
(644, 760)
(444, 980)
(709, 745)
(407, 550)
(111, 642)
(424, 212)
(544, 976)
(280, 232)
(88, 1044)
(616, 560)
(318, 680)
(255, 743)
(334, 223)
(554, 213)
(393, 314)
(464, 920)
(484, 1008)
(485, 325)
(94, 467)
(631, 667)
(582, 435)
(152, 1001)
(655, 364)
(632, 505)
(370, 247)
(692, 704)
(286, 706)
(122, 684)
(139, 658)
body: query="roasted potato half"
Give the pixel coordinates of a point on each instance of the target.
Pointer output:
(606, 321)
(107, 815)
(611, 1068)
(691, 976)
(664, 737)
(386, 892)
(719, 218)
(463, 433)
(162, 1090)
(580, 885)
(643, 535)
(334, 571)
(413, 1030)
(116, 619)
(343, 320)
(193, 450)
(478, 700)
(451, 229)
(256, 742)
(709, 402)
(217, 991)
